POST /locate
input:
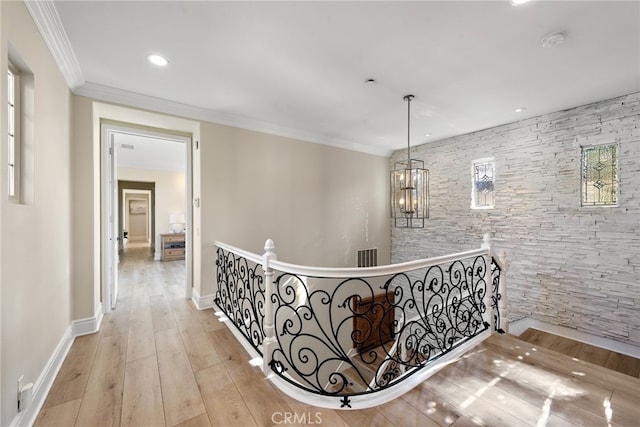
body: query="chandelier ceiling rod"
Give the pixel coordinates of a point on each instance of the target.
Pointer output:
(408, 98)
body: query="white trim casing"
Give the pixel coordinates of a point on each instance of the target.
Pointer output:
(89, 325)
(201, 302)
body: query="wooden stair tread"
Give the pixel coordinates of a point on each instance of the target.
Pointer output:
(583, 351)
(558, 362)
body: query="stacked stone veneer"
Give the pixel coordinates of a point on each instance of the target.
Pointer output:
(572, 266)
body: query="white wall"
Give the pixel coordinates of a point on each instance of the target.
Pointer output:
(35, 257)
(319, 204)
(169, 193)
(571, 266)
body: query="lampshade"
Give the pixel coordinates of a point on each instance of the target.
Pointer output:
(409, 187)
(177, 222)
(176, 218)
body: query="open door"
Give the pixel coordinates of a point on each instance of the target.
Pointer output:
(110, 257)
(114, 235)
(109, 208)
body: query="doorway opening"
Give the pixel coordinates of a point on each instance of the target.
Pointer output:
(146, 181)
(136, 215)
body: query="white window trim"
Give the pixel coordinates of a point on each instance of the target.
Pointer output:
(580, 166)
(474, 162)
(17, 116)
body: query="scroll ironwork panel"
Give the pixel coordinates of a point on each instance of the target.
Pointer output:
(240, 295)
(341, 337)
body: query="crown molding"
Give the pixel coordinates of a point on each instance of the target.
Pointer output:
(145, 102)
(48, 21)
(46, 18)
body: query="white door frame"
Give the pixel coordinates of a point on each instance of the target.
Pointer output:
(108, 264)
(126, 192)
(140, 196)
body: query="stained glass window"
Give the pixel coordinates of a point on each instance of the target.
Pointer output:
(599, 175)
(483, 192)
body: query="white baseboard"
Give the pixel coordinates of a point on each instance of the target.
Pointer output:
(201, 302)
(89, 325)
(43, 384)
(519, 326)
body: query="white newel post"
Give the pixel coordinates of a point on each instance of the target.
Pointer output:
(269, 328)
(502, 288)
(486, 244)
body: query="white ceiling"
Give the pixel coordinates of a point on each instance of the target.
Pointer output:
(144, 152)
(299, 68)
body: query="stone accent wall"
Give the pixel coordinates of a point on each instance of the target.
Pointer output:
(573, 266)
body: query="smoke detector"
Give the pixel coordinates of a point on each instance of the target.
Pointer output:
(553, 39)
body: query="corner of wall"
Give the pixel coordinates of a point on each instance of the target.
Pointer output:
(43, 384)
(201, 302)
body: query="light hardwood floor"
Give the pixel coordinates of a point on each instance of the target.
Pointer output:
(596, 355)
(158, 361)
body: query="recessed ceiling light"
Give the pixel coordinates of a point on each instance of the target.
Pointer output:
(427, 134)
(158, 60)
(520, 109)
(518, 2)
(553, 39)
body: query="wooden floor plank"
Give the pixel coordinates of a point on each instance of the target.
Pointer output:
(102, 401)
(623, 363)
(71, 381)
(142, 397)
(64, 414)
(141, 340)
(566, 346)
(367, 418)
(592, 354)
(108, 367)
(541, 338)
(209, 320)
(260, 397)
(199, 421)
(224, 404)
(161, 314)
(406, 415)
(101, 408)
(556, 362)
(316, 415)
(434, 407)
(547, 396)
(233, 356)
(180, 394)
(471, 403)
(599, 356)
(199, 349)
(625, 409)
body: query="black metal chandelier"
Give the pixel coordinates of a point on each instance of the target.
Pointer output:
(409, 186)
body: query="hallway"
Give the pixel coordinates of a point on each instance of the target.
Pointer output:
(157, 361)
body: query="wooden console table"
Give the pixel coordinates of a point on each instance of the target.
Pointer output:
(173, 246)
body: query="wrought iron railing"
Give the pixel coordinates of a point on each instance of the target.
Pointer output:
(354, 338)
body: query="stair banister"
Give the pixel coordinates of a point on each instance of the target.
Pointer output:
(488, 315)
(483, 269)
(502, 289)
(269, 328)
